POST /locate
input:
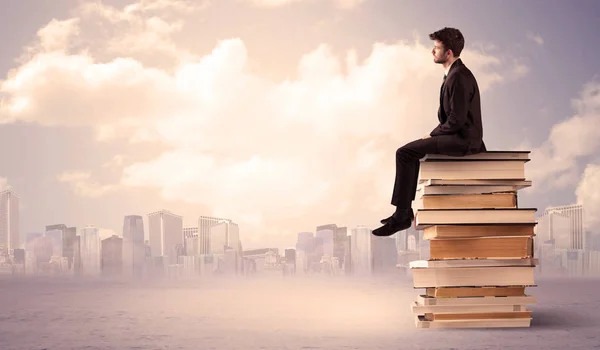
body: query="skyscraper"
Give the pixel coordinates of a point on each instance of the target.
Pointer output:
(90, 250)
(58, 233)
(165, 235)
(361, 251)
(575, 214)
(304, 250)
(9, 222)
(204, 225)
(190, 241)
(69, 242)
(224, 235)
(134, 250)
(111, 260)
(327, 233)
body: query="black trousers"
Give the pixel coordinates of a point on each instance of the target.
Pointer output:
(407, 164)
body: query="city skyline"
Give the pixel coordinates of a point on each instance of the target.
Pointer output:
(209, 173)
(280, 132)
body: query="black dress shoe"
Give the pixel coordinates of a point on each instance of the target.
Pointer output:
(400, 213)
(384, 221)
(393, 225)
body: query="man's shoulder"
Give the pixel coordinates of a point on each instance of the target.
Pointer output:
(461, 73)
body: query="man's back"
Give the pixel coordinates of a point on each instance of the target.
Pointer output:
(460, 112)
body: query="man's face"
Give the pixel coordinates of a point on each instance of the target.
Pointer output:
(439, 56)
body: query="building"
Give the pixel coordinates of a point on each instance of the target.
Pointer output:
(165, 235)
(191, 241)
(112, 256)
(361, 251)
(339, 245)
(327, 234)
(577, 232)
(90, 250)
(226, 245)
(555, 227)
(304, 250)
(9, 222)
(69, 245)
(64, 239)
(204, 225)
(56, 235)
(134, 250)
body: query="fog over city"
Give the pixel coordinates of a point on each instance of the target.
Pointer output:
(270, 312)
(195, 174)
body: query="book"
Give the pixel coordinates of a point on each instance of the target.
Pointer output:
(464, 308)
(461, 262)
(476, 169)
(482, 248)
(480, 242)
(489, 155)
(473, 276)
(505, 216)
(420, 322)
(470, 231)
(467, 201)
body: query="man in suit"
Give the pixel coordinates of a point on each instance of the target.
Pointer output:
(459, 133)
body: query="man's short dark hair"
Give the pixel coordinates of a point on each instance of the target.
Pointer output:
(452, 39)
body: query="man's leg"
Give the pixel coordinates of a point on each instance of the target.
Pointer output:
(405, 184)
(407, 170)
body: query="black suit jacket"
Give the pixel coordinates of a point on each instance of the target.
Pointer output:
(460, 112)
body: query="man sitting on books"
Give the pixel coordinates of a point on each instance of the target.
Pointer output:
(459, 133)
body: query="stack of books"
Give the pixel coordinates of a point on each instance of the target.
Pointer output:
(480, 242)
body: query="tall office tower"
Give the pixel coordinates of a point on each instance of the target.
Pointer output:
(339, 240)
(77, 262)
(9, 222)
(69, 242)
(575, 213)
(190, 241)
(385, 255)
(553, 228)
(90, 250)
(224, 235)
(305, 241)
(290, 259)
(57, 233)
(111, 261)
(166, 235)
(304, 248)
(134, 251)
(327, 233)
(226, 245)
(204, 225)
(347, 256)
(43, 250)
(361, 251)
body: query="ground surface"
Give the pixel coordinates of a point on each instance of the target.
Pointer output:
(271, 313)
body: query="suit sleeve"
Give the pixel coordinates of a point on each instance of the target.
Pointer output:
(459, 101)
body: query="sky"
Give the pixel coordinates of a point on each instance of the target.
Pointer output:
(279, 114)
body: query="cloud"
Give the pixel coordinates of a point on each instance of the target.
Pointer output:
(83, 186)
(115, 162)
(317, 147)
(342, 4)
(520, 70)
(4, 184)
(554, 163)
(536, 38)
(588, 194)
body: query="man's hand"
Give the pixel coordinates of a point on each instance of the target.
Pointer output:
(426, 137)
